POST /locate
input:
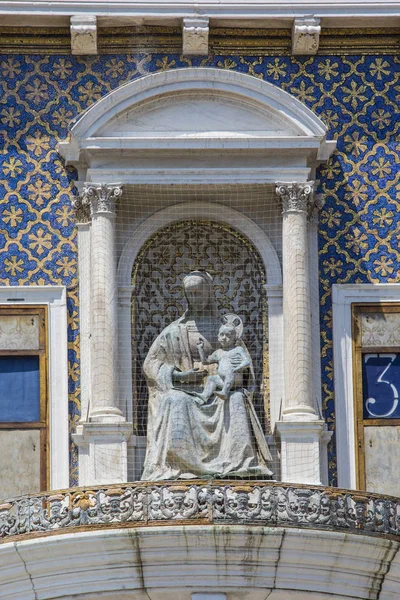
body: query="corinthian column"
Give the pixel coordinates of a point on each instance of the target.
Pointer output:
(102, 438)
(300, 427)
(296, 201)
(104, 326)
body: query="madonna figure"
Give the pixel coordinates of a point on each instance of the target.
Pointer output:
(186, 436)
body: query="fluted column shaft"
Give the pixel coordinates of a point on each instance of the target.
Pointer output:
(104, 325)
(297, 198)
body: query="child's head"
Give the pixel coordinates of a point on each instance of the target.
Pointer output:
(227, 336)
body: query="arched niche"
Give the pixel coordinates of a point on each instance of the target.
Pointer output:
(194, 127)
(238, 276)
(246, 229)
(197, 210)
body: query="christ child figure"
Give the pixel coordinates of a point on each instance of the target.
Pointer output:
(232, 360)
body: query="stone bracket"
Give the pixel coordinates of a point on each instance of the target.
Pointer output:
(195, 37)
(83, 34)
(305, 36)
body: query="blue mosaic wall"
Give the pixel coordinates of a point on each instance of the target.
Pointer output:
(357, 97)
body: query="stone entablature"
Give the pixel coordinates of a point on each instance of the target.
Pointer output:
(203, 503)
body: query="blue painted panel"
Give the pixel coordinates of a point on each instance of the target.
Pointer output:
(19, 388)
(381, 385)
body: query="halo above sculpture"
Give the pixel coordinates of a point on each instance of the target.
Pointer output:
(198, 114)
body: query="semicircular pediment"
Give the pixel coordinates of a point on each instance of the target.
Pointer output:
(208, 113)
(240, 102)
(172, 123)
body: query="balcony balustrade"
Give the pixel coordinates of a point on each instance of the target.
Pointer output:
(141, 504)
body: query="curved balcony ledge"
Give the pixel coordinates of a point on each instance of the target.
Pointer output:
(168, 540)
(146, 504)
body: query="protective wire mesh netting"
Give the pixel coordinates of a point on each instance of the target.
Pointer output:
(196, 258)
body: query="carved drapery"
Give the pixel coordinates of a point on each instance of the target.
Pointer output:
(238, 275)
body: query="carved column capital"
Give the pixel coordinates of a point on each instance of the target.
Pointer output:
(101, 197)
(295, 197)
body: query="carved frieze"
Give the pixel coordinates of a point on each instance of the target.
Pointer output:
(270, 504)
(178, 502)
(380, 329)
(19, 332)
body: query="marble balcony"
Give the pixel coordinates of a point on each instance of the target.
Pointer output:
(240, 539)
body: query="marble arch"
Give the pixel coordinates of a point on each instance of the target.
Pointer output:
(196, 210)
(218, 213)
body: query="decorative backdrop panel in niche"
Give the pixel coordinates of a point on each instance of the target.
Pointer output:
(238, 275)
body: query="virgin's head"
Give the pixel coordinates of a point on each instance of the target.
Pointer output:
(198, 291)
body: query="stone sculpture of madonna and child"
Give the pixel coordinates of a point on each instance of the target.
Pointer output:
(190, 435)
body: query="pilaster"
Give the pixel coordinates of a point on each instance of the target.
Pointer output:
(125, 349)
(274, 295)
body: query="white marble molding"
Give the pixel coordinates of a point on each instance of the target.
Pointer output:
(54, 297)
(343, 296)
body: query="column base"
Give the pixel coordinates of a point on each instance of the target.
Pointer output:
(301, 451)
(102, 452)
(300, 413)
(107, 414)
